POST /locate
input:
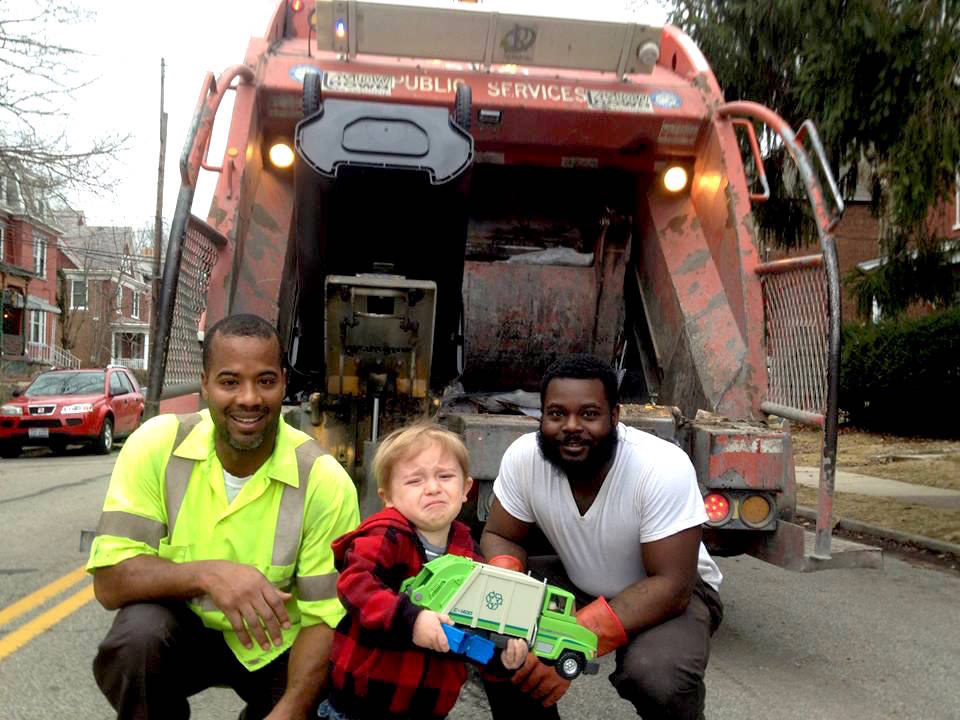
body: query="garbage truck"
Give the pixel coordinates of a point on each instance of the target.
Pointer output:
(498, 604)
(432, 202)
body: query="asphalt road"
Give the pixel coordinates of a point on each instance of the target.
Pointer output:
(852, 644)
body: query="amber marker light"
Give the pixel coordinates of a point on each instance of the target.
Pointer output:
(674, 179)
(717, 507)
(281, 155)
(755, 510)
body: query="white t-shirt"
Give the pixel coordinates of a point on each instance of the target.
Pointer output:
(233, 484)
(650, 493)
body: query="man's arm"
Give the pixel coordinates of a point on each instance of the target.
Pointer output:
(241, 592)
(671, 566)
(503, 535)
(306, 672)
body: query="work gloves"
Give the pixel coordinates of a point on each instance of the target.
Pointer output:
(599, 618)
(540, 681)
(508, 562)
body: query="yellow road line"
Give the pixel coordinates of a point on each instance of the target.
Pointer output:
(12, 642)
(38, 598)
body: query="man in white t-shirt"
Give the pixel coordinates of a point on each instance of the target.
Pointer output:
(623, 512)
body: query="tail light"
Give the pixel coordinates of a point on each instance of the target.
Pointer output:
(717, 507)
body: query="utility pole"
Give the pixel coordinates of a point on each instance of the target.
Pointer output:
(158, 225)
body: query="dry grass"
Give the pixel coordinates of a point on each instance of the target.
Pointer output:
(871, 454)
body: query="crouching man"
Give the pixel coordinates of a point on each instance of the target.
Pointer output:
(214, 543)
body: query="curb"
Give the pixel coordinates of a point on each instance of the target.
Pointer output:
(937, 546)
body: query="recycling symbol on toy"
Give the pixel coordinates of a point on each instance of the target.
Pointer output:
(494, 600)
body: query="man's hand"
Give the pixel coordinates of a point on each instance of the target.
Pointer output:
(249, 601)
(540, 680)
(599, 618)
(428, 631)
(514, 654)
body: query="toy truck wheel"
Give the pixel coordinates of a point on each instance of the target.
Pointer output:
(312, 93)
(570, 664)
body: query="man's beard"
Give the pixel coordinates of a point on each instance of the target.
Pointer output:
(598, 455)
(251, 443)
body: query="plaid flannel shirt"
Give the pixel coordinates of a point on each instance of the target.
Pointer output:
(377, 671)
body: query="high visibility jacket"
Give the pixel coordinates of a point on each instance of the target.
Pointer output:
(167, 499)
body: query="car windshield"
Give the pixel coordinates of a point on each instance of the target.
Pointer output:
(76, 383)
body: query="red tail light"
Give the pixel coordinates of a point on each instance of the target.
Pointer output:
(296, 5)
(717, 507)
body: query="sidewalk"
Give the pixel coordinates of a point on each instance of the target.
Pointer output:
(849, 482)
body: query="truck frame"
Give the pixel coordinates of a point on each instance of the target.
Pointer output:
(461, 195)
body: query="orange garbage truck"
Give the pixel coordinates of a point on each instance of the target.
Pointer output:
(433, 203)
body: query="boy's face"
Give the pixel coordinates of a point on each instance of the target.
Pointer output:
(428, 488)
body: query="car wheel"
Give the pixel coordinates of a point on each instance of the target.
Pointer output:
(104, 443)
(9, 450)
(569, 664)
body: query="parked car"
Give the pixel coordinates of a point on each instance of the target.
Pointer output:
(66, 407)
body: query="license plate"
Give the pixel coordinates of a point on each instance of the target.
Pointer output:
(38, 432)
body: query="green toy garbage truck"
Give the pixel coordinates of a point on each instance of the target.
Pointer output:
(498, 604)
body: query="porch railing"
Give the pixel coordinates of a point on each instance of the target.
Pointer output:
(52, 355)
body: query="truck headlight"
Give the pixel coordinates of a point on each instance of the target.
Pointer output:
(14, 410)
(78, 409)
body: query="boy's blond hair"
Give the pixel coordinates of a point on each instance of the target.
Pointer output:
(406, 441)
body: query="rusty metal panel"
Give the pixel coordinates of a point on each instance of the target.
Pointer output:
(740, 456)
(487, 437)
(705, 354)
(520, 318)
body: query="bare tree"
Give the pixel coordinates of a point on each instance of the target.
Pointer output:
(37, 78)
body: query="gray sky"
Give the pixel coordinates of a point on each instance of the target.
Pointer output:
(125, 43)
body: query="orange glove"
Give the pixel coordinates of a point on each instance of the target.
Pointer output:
(540, 680)
(600, 618)
(508, 562)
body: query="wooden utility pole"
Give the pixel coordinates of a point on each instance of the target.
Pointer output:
(158, 219)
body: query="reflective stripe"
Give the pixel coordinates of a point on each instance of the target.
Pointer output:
(179, 470)
(317, 587)
(131, 526)
(286, 537)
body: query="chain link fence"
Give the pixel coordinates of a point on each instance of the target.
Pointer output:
(797, 330)
(201, 245)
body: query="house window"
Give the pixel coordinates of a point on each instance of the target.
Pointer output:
(40, 256)
(38, 326)
(119, 300)
(3, 235)
(956, 203)
(135, 309)
(78, 294)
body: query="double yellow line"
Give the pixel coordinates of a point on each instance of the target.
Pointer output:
(15, 640)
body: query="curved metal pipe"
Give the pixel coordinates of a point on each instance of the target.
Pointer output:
(824, 223)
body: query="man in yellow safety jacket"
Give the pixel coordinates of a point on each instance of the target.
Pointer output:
(214, 543)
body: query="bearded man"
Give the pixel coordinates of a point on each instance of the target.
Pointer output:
(623, 511)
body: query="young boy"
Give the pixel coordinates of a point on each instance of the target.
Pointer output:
(388, 654)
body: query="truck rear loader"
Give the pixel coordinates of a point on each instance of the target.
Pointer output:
(433, 203)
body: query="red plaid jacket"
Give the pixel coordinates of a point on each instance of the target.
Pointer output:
(377, 671)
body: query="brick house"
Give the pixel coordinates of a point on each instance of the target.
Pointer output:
(858, 245)
(104, 294)
(28, 280)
